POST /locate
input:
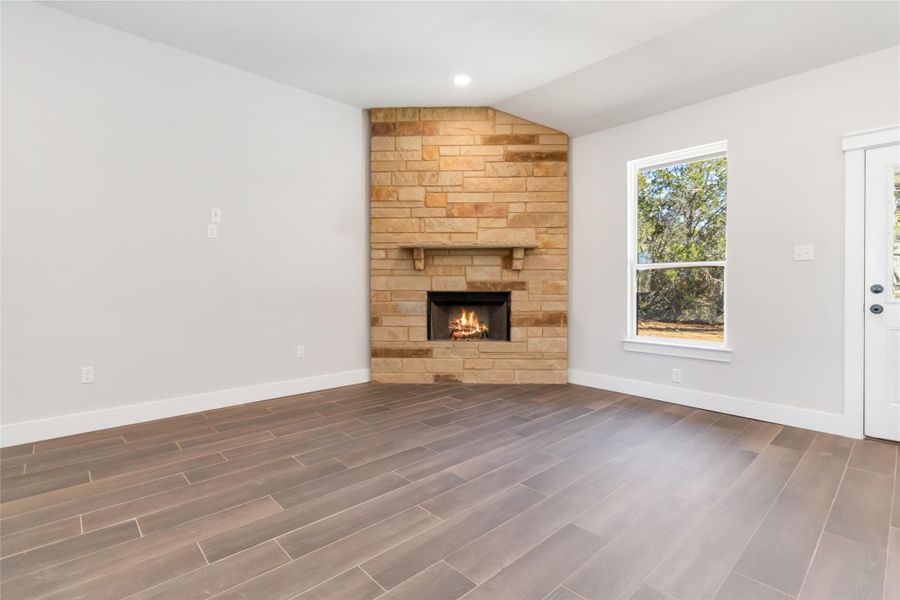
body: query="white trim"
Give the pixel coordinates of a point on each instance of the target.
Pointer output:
(855, 146)
(833, 423)
(667, 159)
(677, 157)
(53, 427)
(666, 347)
(679, 265)
(854, 286)
(872, 138)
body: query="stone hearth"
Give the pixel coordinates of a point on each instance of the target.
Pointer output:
(474, 200)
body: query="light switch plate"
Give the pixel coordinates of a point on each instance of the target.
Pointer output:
(215, 215)
(804, 252)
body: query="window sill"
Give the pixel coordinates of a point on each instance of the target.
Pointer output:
(670, 348)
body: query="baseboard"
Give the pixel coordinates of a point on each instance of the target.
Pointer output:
(826, 422)
(41, 429)
(53, 427)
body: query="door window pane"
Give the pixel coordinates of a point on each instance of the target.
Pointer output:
(681, 212)
(685, 303)
(896, 234)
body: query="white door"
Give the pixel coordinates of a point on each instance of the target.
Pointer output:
(882, 360)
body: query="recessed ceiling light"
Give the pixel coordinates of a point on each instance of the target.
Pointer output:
(462, 80)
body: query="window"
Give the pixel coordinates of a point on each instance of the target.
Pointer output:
(897, 234)
(677, 252)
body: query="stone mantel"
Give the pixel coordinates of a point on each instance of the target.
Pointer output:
(518, 250)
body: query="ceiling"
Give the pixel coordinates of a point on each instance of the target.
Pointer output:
(744, 45)
(576, 66)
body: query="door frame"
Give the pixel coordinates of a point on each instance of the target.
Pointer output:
(855, 146)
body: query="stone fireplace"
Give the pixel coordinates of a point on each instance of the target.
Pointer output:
(469, 265)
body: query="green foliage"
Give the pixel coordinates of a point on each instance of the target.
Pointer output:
(687, 295)
(681, 212)
(681, 218)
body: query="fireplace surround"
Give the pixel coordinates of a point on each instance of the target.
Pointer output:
(468, 201)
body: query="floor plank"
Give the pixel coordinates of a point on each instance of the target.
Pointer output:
(541, 569)
(325, 531)
(483, 558)
(349, 585)
(317, 567)
(438, 582)
(782, 548)
(892, 572)
(738, 587)
(278, 524)
(846, 569)
(822, 468)
(623, 563)
(123, 556)
(125, 582)
(874, 456)
(399, 564)
(52, 554)
(225, 574)
(42, 535)
(697, 566)
(862, 508)
(472, 492)
(155, 502)
(88, 500)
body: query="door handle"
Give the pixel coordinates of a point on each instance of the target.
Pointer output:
(877, 288)
(876, 309)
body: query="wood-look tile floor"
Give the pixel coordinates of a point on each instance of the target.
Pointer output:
(451, 491)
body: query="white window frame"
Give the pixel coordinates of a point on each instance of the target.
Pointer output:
(719, 352)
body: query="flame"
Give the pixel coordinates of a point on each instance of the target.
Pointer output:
(467, 326)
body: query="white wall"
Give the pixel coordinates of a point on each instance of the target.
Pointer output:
(785, 319)
(114, 149)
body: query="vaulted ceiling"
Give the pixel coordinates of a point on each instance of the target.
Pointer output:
(576, 66)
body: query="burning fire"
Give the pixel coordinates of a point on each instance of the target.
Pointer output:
(467, 327)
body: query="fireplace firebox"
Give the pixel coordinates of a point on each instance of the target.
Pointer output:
(468, 316)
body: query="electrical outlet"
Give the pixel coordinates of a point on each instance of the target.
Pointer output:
(87, 374)
(301, 352)
(212, 231)
(215, 215)
(804, 252)
(676, 375)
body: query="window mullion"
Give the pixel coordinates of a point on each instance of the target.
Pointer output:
(679, 265)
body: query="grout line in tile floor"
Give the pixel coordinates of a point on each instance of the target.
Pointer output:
(275, 539)
(202, 553)
(360, 567)
(442, 520)
(887, 557)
